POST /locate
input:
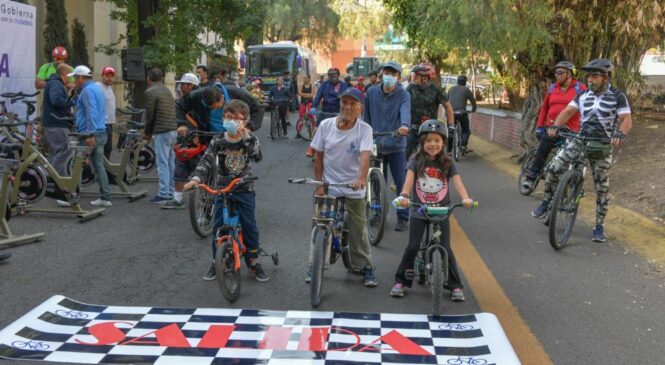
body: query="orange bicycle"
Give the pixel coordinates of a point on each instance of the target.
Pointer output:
(229, 242)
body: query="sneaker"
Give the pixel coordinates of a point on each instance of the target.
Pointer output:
(598, 235)
(397, 290)
(308, 275)
(172, 204)
(63, 203)
(528, 183)
(402, 224)
(541, 210)
(4, 256)
(369, 280)
(211, 274)
(158, 199)
(258, 273)
(102, 203)
(457, 295)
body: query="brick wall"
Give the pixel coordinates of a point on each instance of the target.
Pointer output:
(498, 126)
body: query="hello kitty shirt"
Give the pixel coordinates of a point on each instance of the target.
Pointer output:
(431, 187)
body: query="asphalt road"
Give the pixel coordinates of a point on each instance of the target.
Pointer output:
(587, 304)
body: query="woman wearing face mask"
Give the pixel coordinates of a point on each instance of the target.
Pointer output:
(425, 101)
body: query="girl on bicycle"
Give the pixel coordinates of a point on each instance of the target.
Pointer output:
(428, 172)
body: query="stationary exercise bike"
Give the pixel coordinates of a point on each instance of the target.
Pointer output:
(142, 156)
(7, 239)
(57, 187)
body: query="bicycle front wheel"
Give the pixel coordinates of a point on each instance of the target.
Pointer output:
(320, 240)
(228, 278)
(274, 123)
(377, 207)
(456, 143)
(564, 208)
(437, 282)
(309, 129)
(526, 166)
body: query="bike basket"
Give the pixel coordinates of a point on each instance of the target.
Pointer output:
(437, 210)
(596, 150)
(324, 207)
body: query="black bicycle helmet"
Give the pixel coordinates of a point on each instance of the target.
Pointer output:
(600, 65)
(423, 69)
(435, 126)
(461, 80)
(566, 65)
(333, 70)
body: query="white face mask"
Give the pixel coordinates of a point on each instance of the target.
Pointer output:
(390, 80)
(231, 126)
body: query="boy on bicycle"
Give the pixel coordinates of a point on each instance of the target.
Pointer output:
(233, 152)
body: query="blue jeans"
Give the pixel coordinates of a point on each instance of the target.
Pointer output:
(397, 164)
(98, 163)
(246, 207)
(165, 162)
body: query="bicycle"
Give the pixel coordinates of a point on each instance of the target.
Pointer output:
(31, 345)
(569, 191)
(455, 144)
(276, 130)
(230, 243)
(306, 126)
(526, 168)
(431, 263)
(201, 203)
(143, 157)
(376, 194)
(329, 238)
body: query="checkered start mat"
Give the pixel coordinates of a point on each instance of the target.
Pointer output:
(64, 330)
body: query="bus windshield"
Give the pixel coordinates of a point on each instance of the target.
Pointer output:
(270, 61)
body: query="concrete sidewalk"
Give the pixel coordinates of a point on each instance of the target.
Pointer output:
(633, 230)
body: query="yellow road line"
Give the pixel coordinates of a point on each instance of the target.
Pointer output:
(493, 299)
(634, 230)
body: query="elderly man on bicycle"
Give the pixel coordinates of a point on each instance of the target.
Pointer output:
(600, 106)
(343, 145)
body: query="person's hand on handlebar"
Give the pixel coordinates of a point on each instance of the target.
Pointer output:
(182, 130)
(402, 202)
(403, 130)
(191, 184)
(552, 131)
(468, 203)
(359, 184)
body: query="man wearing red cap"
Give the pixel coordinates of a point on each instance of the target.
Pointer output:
(108, 73)
(59, 56)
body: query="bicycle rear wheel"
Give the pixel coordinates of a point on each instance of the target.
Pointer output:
(564, 208)
(456, 143)
(201, 207)
(437, 282)
(526, 166)
(377, 207)
(320, 244)
(274, 123)
(309, 128)
(228, 278)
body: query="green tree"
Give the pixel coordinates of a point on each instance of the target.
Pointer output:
(79, 52)
(56, 30)
(185, 29)
(310, 22)
(368, 19)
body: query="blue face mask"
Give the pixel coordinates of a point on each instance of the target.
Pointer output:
(231, 126)
(390, 80)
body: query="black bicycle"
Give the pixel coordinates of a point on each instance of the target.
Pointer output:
(455, 135)
(570, 190)
(526, 188)
(276, 130)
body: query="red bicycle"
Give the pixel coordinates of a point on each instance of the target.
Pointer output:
(306, 126)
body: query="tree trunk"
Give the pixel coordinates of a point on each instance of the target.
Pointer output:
(530, 110)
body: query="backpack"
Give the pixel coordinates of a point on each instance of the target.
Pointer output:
(578, 89)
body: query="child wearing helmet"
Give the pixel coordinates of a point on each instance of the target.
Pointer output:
(429, 172)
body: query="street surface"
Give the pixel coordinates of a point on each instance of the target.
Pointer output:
(587, 304)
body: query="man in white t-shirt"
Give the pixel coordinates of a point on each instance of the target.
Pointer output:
(343, 145)
(108, 73)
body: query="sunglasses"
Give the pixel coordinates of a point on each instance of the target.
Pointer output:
(595, 74)
(558, 73)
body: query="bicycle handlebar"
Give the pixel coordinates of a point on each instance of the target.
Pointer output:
(439, 213)
(131, 111)
(229, 187)
(196, 132)
(391, 133)
(584, 138)
(13, 121)
(68, 118)
(319, 183)
(19, 94)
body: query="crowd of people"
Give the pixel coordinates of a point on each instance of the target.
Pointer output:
(414, 153)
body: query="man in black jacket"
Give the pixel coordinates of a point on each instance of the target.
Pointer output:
(58, 102)
(203, 110)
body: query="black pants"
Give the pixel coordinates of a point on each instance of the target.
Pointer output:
(546, 145)
(416, 234)
(108, 147)
(283, 110)
(466, 130)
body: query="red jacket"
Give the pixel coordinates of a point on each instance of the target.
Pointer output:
(555, 101)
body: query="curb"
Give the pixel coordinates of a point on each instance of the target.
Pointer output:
(634, 230)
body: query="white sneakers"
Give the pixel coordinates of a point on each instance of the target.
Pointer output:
(100, 202)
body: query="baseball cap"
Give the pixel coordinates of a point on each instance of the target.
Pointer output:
(354, 93)
(189, 78)
(80, 71)
(108, 69)
(394, 65)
